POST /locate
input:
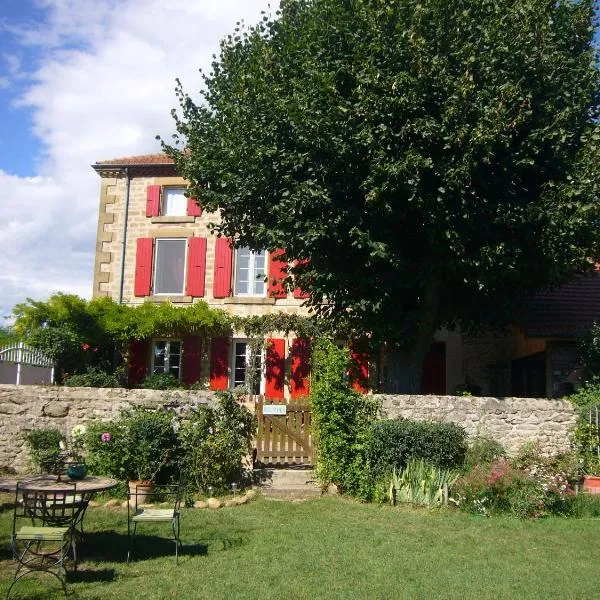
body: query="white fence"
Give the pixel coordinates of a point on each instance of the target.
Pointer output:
(21, 364)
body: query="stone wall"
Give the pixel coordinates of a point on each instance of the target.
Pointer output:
(511, 421)
(28, 407)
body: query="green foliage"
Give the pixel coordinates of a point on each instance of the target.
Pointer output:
(160, 381)
(341, 419)
(528, 485)
(420, 483)
(587, 397)
(214, 440)
(96, 378)
(140, 444)
(7, 336)
(44, 448)
(589, 353)
(482, 451)
(393, 442)
(469, 127)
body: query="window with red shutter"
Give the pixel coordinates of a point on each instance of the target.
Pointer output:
(275, 369)
(277, 274)
(153, 200)
(192, 357)
(223, 267)
(300, 368)
(196, 267)
(143, 266)
(138, 361)
(219, 363)
(193, 208)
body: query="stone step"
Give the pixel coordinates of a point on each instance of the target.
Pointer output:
(286, 483)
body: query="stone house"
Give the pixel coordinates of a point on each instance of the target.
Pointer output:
(154, 244)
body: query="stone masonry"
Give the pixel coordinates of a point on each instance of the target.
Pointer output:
(511, 421)
(29, 407)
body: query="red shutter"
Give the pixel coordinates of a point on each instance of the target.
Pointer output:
(219, 363)
(359, 371)
(223, 262)
(300, 358)
(153, 200)
(138, 361)
(193, 208)
(143, 266)
(192, 356)
(196, 266)
(277, 273)
(298, 292)
(275, 369)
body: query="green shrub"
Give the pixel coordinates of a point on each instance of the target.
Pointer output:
(95, 378)
(482, 450)
(214, 441)
(393, 442)
(44, 447)
(160, 381)
(341, 421)
(140, 444)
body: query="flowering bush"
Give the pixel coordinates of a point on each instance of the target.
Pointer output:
(529, 485)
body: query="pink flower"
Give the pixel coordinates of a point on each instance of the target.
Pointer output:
(106, 437)
(85, 346)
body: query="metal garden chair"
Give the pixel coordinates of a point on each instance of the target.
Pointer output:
(141, 508)
(43, 544)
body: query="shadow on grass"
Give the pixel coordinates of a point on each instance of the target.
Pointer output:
(110, 546)
(91, 575)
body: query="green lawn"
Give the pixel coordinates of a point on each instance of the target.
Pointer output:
(328, 548)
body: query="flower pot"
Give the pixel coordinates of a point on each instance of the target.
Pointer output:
(141, 491)
(76, 471)
(591, 484)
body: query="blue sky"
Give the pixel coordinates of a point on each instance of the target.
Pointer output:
(81, 81)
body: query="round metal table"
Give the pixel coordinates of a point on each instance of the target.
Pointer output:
(89, 485)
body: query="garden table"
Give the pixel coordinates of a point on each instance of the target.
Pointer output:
(84, 489)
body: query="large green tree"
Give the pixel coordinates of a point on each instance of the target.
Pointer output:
(426, 162)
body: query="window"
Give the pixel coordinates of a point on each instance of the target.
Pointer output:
(241, 362)
(166, 357)
(169, 266)
(249, 272)
(174, 202)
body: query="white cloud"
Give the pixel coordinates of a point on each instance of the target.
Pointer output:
(104, 88)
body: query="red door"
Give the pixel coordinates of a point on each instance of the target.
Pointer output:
(433, 379)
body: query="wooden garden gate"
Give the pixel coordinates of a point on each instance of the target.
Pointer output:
(284, 434)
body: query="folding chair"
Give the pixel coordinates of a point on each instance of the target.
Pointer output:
(43, 546)
(141, 509)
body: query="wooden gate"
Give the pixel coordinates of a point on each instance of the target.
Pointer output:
(284, 439)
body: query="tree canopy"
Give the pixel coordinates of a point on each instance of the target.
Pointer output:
(422, 162)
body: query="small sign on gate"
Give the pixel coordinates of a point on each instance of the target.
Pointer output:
(274, 409)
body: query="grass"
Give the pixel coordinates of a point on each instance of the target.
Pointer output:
(326, 548)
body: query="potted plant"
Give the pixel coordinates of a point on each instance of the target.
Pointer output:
(149, 447)
(76, 463)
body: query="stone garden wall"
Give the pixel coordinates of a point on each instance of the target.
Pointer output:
(511, 421)
(28, 407)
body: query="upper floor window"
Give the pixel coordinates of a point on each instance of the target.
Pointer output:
(250, 272)
(174, 202)
(166, 357)
(169, 266)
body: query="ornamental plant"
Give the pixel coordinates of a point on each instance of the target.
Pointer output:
(44, 446)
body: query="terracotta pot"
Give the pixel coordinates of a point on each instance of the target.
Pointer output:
(141, 491)
(591, 484)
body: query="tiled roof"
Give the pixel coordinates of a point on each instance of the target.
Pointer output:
(566, 311)
(143, 159)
